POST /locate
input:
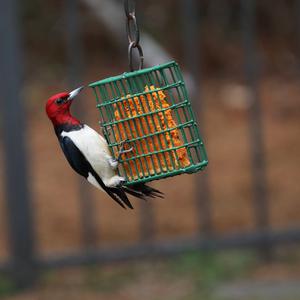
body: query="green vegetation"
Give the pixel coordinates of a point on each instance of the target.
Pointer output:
(7, 287)
(207, 270)
(190, 276)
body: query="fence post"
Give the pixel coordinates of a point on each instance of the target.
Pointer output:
(296, 16)
(192, 55)
(255, 121)
(75, 55)
(21, 236)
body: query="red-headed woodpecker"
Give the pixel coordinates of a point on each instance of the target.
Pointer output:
(88, 154)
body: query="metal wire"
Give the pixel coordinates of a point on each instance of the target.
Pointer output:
(133, 35)
(155, 155)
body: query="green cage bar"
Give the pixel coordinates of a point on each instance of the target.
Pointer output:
(155, 155)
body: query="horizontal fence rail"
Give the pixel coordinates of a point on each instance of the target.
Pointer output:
(166, 248)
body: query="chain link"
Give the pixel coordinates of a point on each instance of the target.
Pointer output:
(133, 34)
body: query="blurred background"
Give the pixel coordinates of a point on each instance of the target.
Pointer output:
(229, 232)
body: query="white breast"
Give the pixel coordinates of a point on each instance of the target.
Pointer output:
(95, 149)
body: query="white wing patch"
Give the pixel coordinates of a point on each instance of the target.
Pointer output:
(95, 149)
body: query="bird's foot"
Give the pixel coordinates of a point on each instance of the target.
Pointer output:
(113, 163)
(105, 129)
(122, 150)
(115, 181)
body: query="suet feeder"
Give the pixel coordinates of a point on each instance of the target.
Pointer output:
(150, 111)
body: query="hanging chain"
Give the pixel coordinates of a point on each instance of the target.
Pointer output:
(133, 34)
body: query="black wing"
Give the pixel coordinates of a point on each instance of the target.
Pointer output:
(81, 165)
(74, 156)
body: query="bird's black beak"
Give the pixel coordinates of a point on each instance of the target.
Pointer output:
(74, 93)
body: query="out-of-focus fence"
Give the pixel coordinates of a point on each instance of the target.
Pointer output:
(25, 260)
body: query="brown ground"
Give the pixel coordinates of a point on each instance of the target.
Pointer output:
(54, 184)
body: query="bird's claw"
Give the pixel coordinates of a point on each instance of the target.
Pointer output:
(122, 150)
(113, 163)
(126, 151)
(105, 129)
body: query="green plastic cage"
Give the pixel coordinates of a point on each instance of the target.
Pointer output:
(158, 109)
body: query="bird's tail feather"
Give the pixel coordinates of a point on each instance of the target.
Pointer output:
(120, 197)
(116, 193)
(143, 191)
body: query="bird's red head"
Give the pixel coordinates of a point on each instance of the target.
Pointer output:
(58, 107)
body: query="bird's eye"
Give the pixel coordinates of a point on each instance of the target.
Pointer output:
(59, 101)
